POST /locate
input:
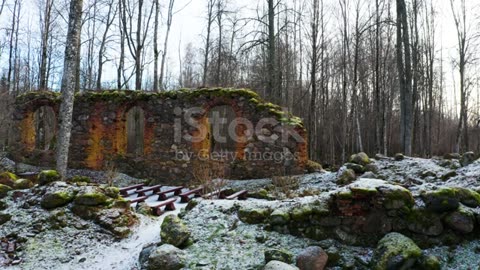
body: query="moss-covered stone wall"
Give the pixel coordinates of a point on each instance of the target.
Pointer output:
(99, 133)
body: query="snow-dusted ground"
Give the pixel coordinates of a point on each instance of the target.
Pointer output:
(221, 241)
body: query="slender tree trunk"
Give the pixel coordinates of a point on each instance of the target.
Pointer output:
(44, 46)
(68, 84)
(210, 19)
(165, 44)
(271, 68)
(155, 47)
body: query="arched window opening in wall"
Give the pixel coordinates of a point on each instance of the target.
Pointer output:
(45, 126)
(135, 131)
(221, 139)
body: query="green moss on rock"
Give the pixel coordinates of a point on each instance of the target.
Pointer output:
(79, 179)
(360, 159)
(301, 213)
(8, 179)
(442, 200)
(424, 222)
(112, 192)
(279, 217)
(91, 197)
(430, 263)
(462, 220)
(174, 231)
(22, 184)
(48, 176)
(57, 199)
(395, 251)
(345, 176)
(468, 197)
(4, 191)
(253, 215)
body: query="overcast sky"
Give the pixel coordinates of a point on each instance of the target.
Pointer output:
(189, 25)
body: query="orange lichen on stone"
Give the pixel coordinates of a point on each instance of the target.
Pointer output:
(120, 137)
(241, 143)
(149, 137)
(28, 133)
(95, 149)
(201, 138)
(302, 148)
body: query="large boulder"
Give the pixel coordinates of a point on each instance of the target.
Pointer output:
(4, 189)
(91, 196)
(48, 176)
(395, 251)
(278, 265)
(441, 200)
(279, 217)
(462, 220)
(174, 231)
(57, 199)
(360, 159)
(345, 176)
(22, 184)
(424, 222)
(166, 257)
(312, 258)
(8, 179)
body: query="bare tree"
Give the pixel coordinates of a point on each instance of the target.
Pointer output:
(405, 78)
(165, 43)
(210, 21)
(68, 84)
(109, 19)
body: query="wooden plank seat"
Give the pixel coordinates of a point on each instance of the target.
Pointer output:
(241, 195)
(169, 206)
(154, 189)
(138, 199)
(124, 191)
(219, 193)
(162, 195)
(185, 196)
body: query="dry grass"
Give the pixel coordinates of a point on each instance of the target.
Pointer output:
(210, 175)
(286, 184)
(111, 173)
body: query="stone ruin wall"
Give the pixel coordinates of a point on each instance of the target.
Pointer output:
(99, 133)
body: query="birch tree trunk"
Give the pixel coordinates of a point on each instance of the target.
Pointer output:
(68, 84)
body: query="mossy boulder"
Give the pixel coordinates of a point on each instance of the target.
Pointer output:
(4, 218)
(279, 217)
(448, 175)
(468, 197)
(357, 168)
(8, 179)
(4, 189)
(345, 176)
(80, 179)
(301, 213)
(174, 231)
(430, 263)
(167, 257)
(91, 196)
(278, 255)
(116, 220)
(22, 184)
(312, 166)
(112, 192)
(424, 222)
(57, 199)
(48, 176)
(253, 215)
(395, 251)
(399, 157)
(143, 209)
(442, 200)
(360, 159)
(461, 220)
